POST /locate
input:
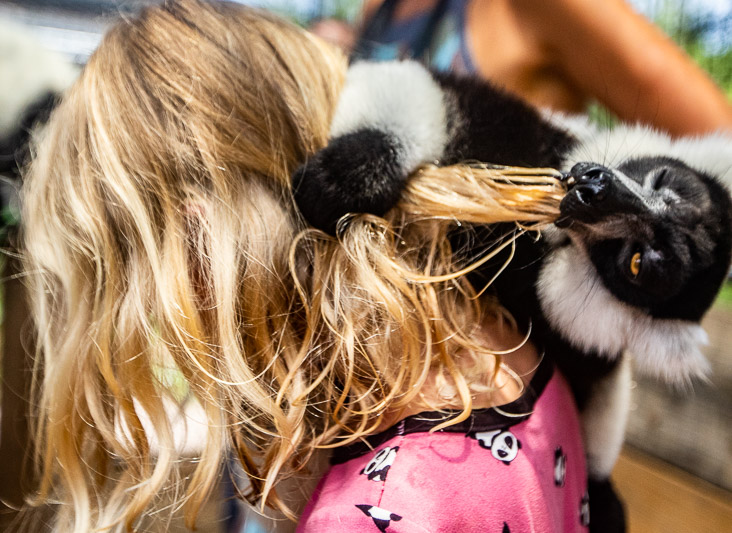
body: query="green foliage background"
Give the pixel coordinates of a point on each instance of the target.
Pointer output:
(704, 35)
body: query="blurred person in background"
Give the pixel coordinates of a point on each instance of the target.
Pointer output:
(559, 54)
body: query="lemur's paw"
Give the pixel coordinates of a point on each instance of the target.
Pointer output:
(607, 511)
(359, 172)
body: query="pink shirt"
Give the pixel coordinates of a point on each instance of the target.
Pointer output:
(490, 473)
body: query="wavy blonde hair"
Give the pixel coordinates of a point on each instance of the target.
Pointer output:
(161, 233)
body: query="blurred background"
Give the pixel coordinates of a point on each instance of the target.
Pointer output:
(676, 471)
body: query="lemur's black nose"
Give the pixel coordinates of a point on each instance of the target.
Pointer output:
(589, 182)
(587, 186)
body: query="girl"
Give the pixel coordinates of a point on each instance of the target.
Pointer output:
(161, 233)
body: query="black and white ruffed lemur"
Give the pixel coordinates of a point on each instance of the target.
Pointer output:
(636, 258)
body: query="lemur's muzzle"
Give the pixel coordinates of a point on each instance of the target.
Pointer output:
(593, 193)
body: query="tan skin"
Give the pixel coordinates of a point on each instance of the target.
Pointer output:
(562, 54)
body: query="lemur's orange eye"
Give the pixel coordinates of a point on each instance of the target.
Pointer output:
(635, 264)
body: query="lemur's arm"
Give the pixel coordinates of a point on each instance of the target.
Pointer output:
(393, 117)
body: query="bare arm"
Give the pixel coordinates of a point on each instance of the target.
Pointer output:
(617, 56)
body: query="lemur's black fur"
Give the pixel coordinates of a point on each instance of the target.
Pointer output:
(499, 128)
(369, 183)
(670, 217)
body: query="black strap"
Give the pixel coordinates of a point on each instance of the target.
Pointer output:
(424, 40)
(375, 28)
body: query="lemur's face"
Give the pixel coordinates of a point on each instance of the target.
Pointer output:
(655, 230)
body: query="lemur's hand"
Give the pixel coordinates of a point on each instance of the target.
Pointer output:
(358, 172)
(391, 117)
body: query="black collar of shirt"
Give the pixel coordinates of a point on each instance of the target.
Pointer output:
(486, 419)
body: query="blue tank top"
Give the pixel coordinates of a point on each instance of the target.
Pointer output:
(436, 37)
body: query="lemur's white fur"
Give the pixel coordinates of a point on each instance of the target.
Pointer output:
(604, 419)
(711, 153)
(400, 98)
(587, 315)
(27, 71)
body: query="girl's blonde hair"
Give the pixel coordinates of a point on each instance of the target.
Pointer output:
(161, 234)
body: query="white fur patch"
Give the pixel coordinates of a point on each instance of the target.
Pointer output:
(711, 153)
(398, 97)
(604, 419)
(27, 71)
(586, 314)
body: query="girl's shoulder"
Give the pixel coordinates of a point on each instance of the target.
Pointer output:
(516, 466)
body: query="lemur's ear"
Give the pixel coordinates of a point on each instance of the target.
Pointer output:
(391, 117)
(356, 173)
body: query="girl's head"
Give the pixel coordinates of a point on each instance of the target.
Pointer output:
(167, 262)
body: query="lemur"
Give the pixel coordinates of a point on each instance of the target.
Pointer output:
(637, 256)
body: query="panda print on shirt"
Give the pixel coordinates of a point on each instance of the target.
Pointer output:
(585, 510)
(560, 467)
(503, 444)
(379, 466)
(381, 517)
